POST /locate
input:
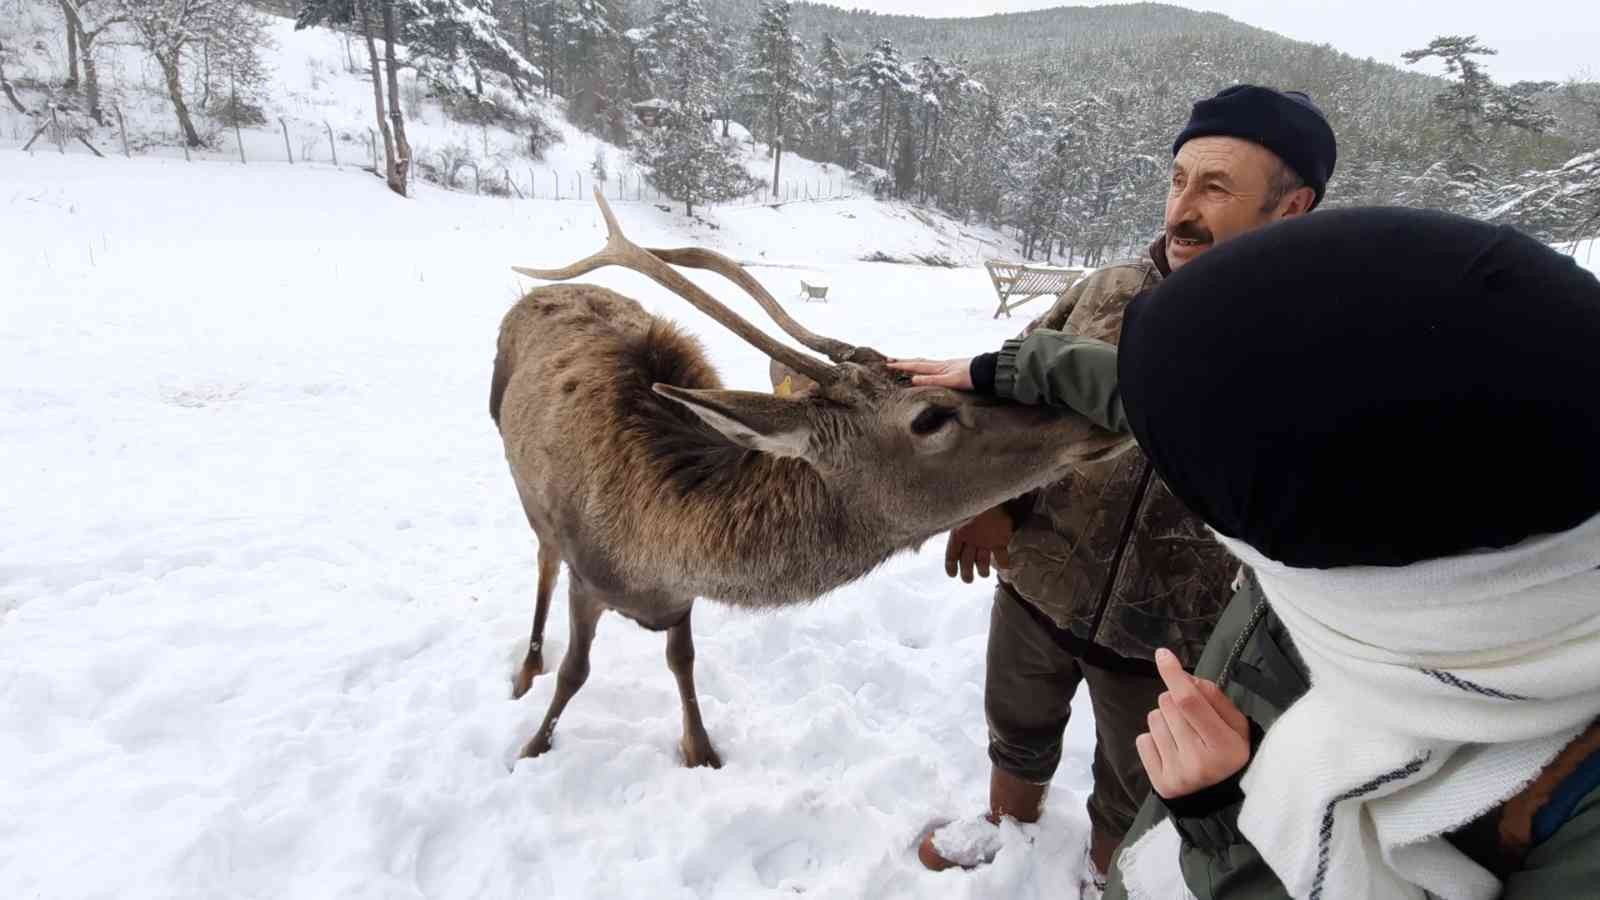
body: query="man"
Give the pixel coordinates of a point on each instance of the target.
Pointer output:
(1405, 701)
(1104, 567)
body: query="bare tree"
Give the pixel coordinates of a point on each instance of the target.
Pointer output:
(402, 147)
(87, 20)
(5, 86)
(358, 16)
(167, 30)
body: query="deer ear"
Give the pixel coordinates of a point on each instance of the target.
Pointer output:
(774, 425)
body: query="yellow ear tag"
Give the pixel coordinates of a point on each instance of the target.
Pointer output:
(785, 387)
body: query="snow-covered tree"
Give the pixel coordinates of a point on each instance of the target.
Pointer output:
(87, 20)
(172, 31)
(726, 83)
(456, 46)
(880, 82)
(593, 66)
(236, 74)
(775, 81)
(1557, 204)
(945, 92)
(1472, 106)
(830, 83)
(682, 155)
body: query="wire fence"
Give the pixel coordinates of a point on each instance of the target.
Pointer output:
(304, 141)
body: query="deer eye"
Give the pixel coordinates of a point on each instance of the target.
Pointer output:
(932, 419)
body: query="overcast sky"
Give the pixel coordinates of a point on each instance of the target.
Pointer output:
(1537, 39)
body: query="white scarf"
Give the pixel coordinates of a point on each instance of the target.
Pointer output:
(1438, 690)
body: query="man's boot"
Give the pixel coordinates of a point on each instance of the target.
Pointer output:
(1097, 862)
(970, 843)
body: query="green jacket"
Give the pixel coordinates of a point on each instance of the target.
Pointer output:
(1543, 843)
(1108, 553)
(1252, 657)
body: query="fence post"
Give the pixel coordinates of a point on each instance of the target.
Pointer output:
(577, 186)
(287, 151)
(332, 147)
(123, 126)
(533, 185)
(557, 179)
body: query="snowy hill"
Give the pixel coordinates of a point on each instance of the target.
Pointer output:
(319, 89)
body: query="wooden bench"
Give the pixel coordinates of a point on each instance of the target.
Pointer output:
(1017, 283)
(811, 290)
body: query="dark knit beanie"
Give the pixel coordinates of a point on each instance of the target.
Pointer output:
(1285, 122)
(1372, 387)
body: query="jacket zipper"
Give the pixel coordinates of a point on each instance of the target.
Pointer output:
(1122, 546)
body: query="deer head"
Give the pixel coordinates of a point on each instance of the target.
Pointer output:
(914, 460)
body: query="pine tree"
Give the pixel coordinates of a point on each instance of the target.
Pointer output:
(944, 91)
(682, 155)
(776, 81)
(456, 47)
(1472, 105)
(881, 80)
(726, 84)
(591, 62)
(830, 79)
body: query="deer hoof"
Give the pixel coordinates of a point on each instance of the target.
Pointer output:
(537, 747)
(531, 669)
(695, 756)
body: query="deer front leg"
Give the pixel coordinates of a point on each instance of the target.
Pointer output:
(585, 614)
(533, 665)
(697, 749)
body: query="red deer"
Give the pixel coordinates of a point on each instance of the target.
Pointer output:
(656, 486)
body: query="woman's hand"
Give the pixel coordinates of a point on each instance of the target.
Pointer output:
(1197, 738)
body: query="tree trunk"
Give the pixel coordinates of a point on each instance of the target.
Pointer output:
(391, 176)
(73, 27)
(777, 164)
(402, 147)
(91, 76)
(527, 50)
(205, 74)
(5, 86)
(883, 124)
(169, 69)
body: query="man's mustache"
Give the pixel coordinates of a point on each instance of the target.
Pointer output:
(1190, 231)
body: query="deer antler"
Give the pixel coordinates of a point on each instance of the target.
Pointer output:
(712, 261)
(619, 251)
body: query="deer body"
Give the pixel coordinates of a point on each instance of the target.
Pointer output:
(656, 486)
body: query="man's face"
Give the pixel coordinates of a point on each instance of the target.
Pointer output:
(1220, 187)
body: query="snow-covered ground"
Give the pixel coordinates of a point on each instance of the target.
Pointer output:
(264, 580)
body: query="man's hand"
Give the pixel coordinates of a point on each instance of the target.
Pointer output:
(1197, 736)
(950, 373)
(976, 542)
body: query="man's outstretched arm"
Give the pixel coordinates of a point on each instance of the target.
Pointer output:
(1050, 368)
